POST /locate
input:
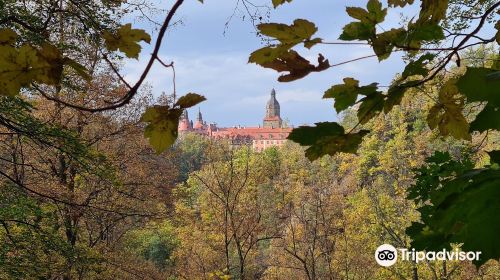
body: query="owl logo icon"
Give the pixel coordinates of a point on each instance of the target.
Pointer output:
(386, 255)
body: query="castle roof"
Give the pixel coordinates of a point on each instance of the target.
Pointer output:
(253, 132)
(271, 129)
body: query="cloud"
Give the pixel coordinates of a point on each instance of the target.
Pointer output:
(208, 63)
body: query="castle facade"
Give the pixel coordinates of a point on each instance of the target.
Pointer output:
(272, 132)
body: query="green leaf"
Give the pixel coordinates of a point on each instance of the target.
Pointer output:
(326, 138)
(395, 94)
(494, 157)
(447, 114)
(384, 43)
(464, 210)
(358, 13)
(276, 3)
(289, 35)
(370, 106)
(426, 32)
(357, 31)
(308, 136)
(487, 119)
(310, 43)
(373, 15)
(438, 167)
(126, 40)
(494, 75)
(189, 100)
(266, 54)
(486, 92)
(399, 3)
(488, 89)
(432, 11)
(375, 9)
(162, 127)
(345, 95)
(422, 32)
(18, 68)
(418, 67)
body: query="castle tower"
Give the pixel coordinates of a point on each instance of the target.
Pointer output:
(184, 123)
(272, 118)
(199, 121)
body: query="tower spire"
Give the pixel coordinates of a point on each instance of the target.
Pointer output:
(272, 118)
(199, 120)
(200, 117)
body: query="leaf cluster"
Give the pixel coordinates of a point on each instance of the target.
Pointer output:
(163, 121)
(281, 57)
(460, 205)
(24, 65)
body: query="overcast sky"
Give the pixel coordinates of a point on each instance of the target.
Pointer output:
(215, 65)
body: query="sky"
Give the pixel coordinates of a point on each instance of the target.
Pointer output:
(214, 63)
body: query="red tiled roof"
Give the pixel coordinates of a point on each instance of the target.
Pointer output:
(253, 132)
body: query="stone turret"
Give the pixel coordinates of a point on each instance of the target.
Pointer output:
(272, 118)
(199, 121)
(184, 123)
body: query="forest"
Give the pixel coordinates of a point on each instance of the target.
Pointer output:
(96, 182)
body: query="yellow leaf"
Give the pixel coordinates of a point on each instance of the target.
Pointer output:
(49, 66)
(447, 114)
(189, 100)
(16, 68)
(162, 127)
(289, 35)
(7, 36)
(126, 40)
(276, 3)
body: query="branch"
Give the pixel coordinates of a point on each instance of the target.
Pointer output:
(134, 89)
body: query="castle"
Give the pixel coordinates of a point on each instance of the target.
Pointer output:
(271, 133)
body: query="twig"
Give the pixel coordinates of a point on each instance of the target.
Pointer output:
(134, 89)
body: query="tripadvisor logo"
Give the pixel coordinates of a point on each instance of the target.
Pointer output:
(387, 255)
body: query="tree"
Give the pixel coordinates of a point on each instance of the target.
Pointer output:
(310, 224)
(90, 175)
(365, 203)
(45, 52)
(226, 213)
(191, 152)
(426, 42)
(78, 182)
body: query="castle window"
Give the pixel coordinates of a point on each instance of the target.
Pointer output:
(270, 136)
